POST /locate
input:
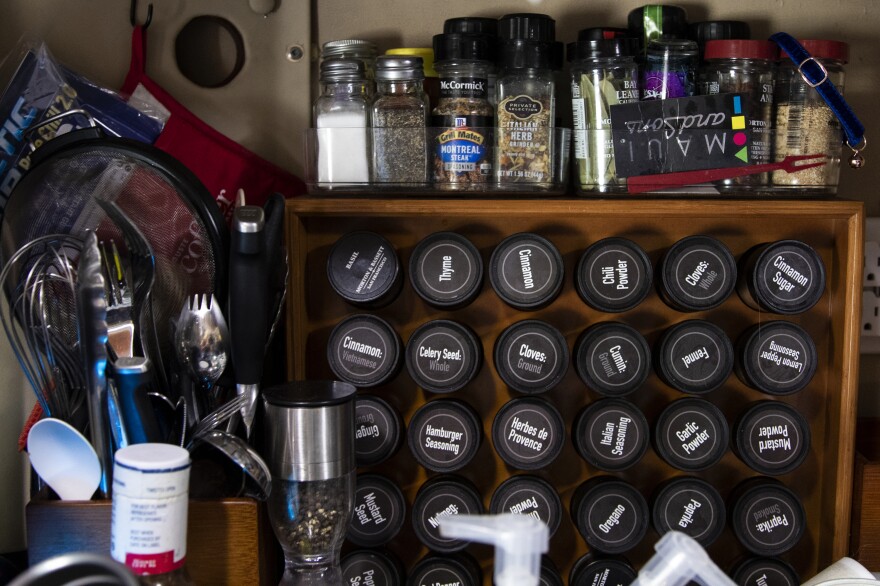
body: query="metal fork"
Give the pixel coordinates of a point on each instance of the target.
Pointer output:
(143, 274)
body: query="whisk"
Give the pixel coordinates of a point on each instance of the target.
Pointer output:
(39, 319)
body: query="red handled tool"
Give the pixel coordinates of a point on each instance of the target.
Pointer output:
(790, 164)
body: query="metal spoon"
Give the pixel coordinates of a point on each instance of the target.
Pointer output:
(201, 340)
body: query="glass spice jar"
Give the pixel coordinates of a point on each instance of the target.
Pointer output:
(399, 114)
(744, 67)
(463, 118)
(341, 118)
(603, 73)
(360, 49)
(805, 125)
(670, 69)
(525, 97)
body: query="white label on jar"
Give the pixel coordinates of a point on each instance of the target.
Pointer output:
(149, 535)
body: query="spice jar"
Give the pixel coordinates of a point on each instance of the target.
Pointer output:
(805, 125)
(603, 73)
(360, 49)
(670, 69)
(653, 21)
(744, 67)
(525, 98)
(341, 117)
(463, 118)
(431, 83)
(399, 115)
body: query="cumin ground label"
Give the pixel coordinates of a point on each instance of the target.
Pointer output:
(681, 134)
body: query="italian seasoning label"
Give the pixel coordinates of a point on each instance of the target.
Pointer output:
(613, 435)
(524, 142)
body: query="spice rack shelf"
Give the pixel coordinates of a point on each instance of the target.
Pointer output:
(832, 227)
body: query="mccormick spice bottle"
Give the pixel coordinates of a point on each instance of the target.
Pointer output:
(603, 74)
(462, 151)
(744, 67)
(805, 125)
(526, 99)
(399, 115)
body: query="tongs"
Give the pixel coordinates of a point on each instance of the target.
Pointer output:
(790, 164)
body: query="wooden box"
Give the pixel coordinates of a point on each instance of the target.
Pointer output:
(228, 541)
(832, 228)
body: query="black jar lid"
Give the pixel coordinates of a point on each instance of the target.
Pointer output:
(446, 270)
(694, 356)
(718, 30)
(527, 26)
(613, 274)
(787, 277)
(528, 433)
(364, 270)
(611, 515)
(378, 511)
(776, 357)
(603, 48)
(526, 494)
(378, 430)
(668, 20)
(471, 24)
(761, 571)
(526, 271)
(444, 435)
(591, 569)
(612, 358)
(459, 568)
(442, 496)
(611, 434)
(772, 438)
(443, 356)
(531, 356)
(767, 517)
(690, 505)
(379, 567)
(550, 575)
(697, 273)
(691, 434)
(364, 350)
(464, 46)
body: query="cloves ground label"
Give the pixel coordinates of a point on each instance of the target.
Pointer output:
(681, 134)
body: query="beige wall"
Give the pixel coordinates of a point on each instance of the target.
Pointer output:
(267, 106)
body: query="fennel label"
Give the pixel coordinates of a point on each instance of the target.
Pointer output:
(593, 93)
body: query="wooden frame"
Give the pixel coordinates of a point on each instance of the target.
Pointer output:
(834, 228)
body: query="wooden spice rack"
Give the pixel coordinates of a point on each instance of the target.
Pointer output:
(833, 228)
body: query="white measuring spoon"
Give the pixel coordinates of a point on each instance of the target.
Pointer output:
(64, 459)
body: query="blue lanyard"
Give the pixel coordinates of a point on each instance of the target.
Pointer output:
(816, 76)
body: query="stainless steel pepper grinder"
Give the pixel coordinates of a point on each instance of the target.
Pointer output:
(309, 447)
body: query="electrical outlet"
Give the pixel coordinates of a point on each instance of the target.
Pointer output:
(870, 342)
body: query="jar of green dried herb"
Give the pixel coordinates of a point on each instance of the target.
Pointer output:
(399, 117)
(603, 73)
(463, 119)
